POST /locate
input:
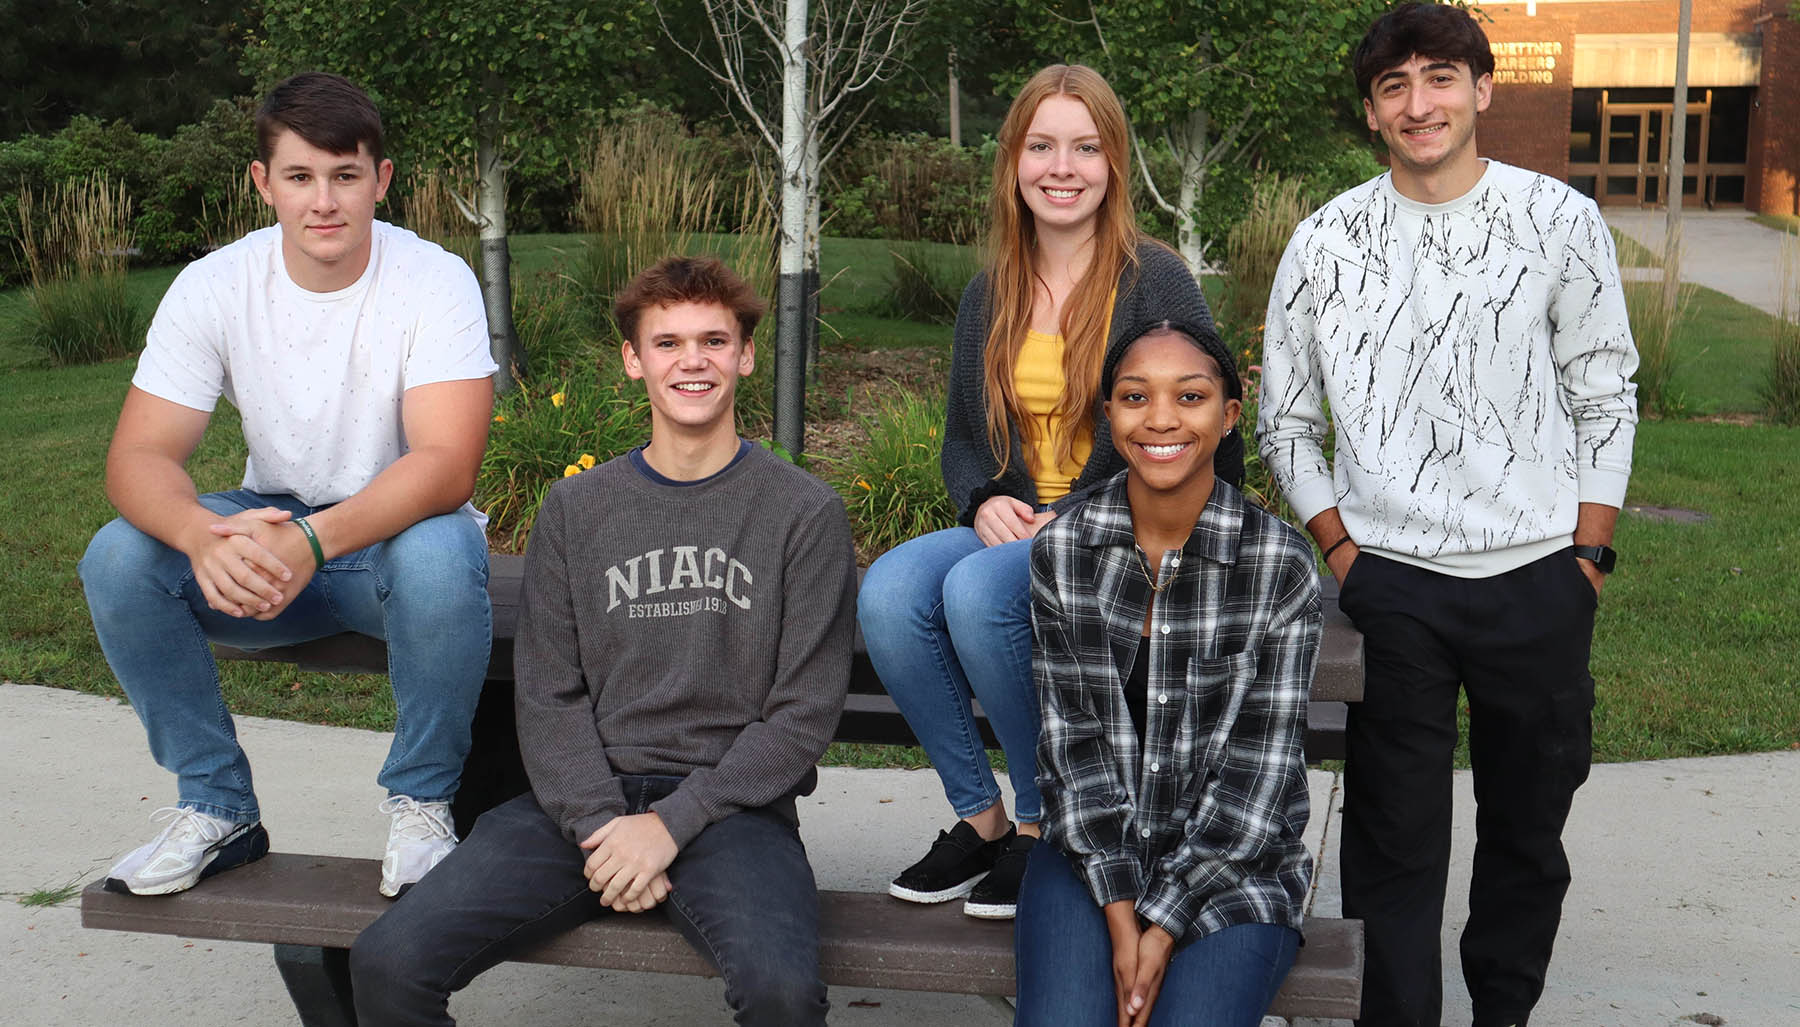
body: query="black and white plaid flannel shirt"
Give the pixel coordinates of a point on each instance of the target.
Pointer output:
(1202, 829)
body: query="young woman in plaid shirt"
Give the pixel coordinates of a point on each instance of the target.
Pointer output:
(1177, 626)
(946, 616)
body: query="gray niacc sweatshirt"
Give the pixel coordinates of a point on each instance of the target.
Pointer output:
(698, 630)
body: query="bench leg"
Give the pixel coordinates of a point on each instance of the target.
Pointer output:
(318, 980)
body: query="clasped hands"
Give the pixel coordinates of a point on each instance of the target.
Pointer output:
(1140, 958)
(252, 563)
(1002, 519)
(628, 862)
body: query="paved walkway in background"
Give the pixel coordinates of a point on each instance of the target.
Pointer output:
(1722, 250)
(1686, 897)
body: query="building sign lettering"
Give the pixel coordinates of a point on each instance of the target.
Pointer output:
(1529, 63)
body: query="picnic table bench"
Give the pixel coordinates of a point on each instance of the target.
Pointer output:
(311, 908)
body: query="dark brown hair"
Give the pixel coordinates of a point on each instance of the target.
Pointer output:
(1437, 31)
(686, 280)
(328, 111)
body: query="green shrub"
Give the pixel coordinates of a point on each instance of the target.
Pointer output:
(1656, 313)
(432, 213)
(83, 320)
(557, 338)
(198, 196)
(180, 186)
(908, 187)
(1781, 391)
(1253, 249)
(650, 190)
(544, 431)
(74, 240)
(892, 487)
(646, 194)
(927, 282)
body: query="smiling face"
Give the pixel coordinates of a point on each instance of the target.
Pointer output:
(1063, 171)
(1425, 110)
(325, 203)
(689, 357)
(1169, 410)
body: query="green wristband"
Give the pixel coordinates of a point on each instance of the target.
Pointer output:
(312, 539)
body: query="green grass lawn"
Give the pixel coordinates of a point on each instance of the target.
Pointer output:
(1789, 223)
(1693, 655)
(1723, 348)
(1631, 252)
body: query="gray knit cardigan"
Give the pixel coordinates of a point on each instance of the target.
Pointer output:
(1158, 288)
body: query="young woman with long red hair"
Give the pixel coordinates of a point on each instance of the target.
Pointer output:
(946, 616)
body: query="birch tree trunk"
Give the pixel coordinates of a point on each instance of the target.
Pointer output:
(496, 260)
(790, 310)
(1191, 149)
(810, 316)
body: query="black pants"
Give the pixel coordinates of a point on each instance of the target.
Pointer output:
(1518, 643)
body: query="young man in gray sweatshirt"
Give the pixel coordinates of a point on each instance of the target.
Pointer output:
(682, 657)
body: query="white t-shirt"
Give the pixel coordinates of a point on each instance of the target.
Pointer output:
(317, 377)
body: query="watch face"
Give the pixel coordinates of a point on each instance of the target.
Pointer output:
(1603, 557)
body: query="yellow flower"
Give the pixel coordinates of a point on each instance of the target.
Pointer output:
(499, 418)
(571, 471)
(556, 399)
(586, 461)
(865, 485)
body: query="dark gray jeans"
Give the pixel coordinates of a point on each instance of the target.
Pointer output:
(742, 893)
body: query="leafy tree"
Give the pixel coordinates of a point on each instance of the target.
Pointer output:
(1219, 83)
(495, 83)
(155, 64)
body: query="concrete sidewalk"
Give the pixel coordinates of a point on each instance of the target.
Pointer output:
(1722, 250)
(1686, 896)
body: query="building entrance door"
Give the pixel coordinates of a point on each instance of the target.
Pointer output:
(1634, 152)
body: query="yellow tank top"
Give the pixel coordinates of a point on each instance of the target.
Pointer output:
(1038, 377)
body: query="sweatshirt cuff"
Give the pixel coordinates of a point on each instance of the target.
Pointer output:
(1311, 498)
(1606, 487)
(681, 814)
(988, 490)
(583, 827)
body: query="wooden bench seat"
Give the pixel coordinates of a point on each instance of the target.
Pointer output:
(312, 907)
(866, 940)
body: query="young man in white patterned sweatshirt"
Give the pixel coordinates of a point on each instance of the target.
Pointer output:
(682, 657)
(1463, 323)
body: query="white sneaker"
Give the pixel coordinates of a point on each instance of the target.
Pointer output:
(193, 847)
(418, 839)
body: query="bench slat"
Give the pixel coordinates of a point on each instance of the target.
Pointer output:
(867, 939)
(1337, 679)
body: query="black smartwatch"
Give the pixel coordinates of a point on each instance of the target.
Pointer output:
(1603, 557)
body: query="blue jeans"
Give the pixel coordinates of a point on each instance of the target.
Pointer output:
(1224, 979)
(741, 892)
(946, 618)
(424, 591)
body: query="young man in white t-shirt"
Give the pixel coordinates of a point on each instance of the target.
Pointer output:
(1459, 324)
(357, 356)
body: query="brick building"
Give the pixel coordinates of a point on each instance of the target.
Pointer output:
(1605, 69)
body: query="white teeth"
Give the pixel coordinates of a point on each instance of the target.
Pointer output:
(1169, 450)
(1063, 194)
(693, 387)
